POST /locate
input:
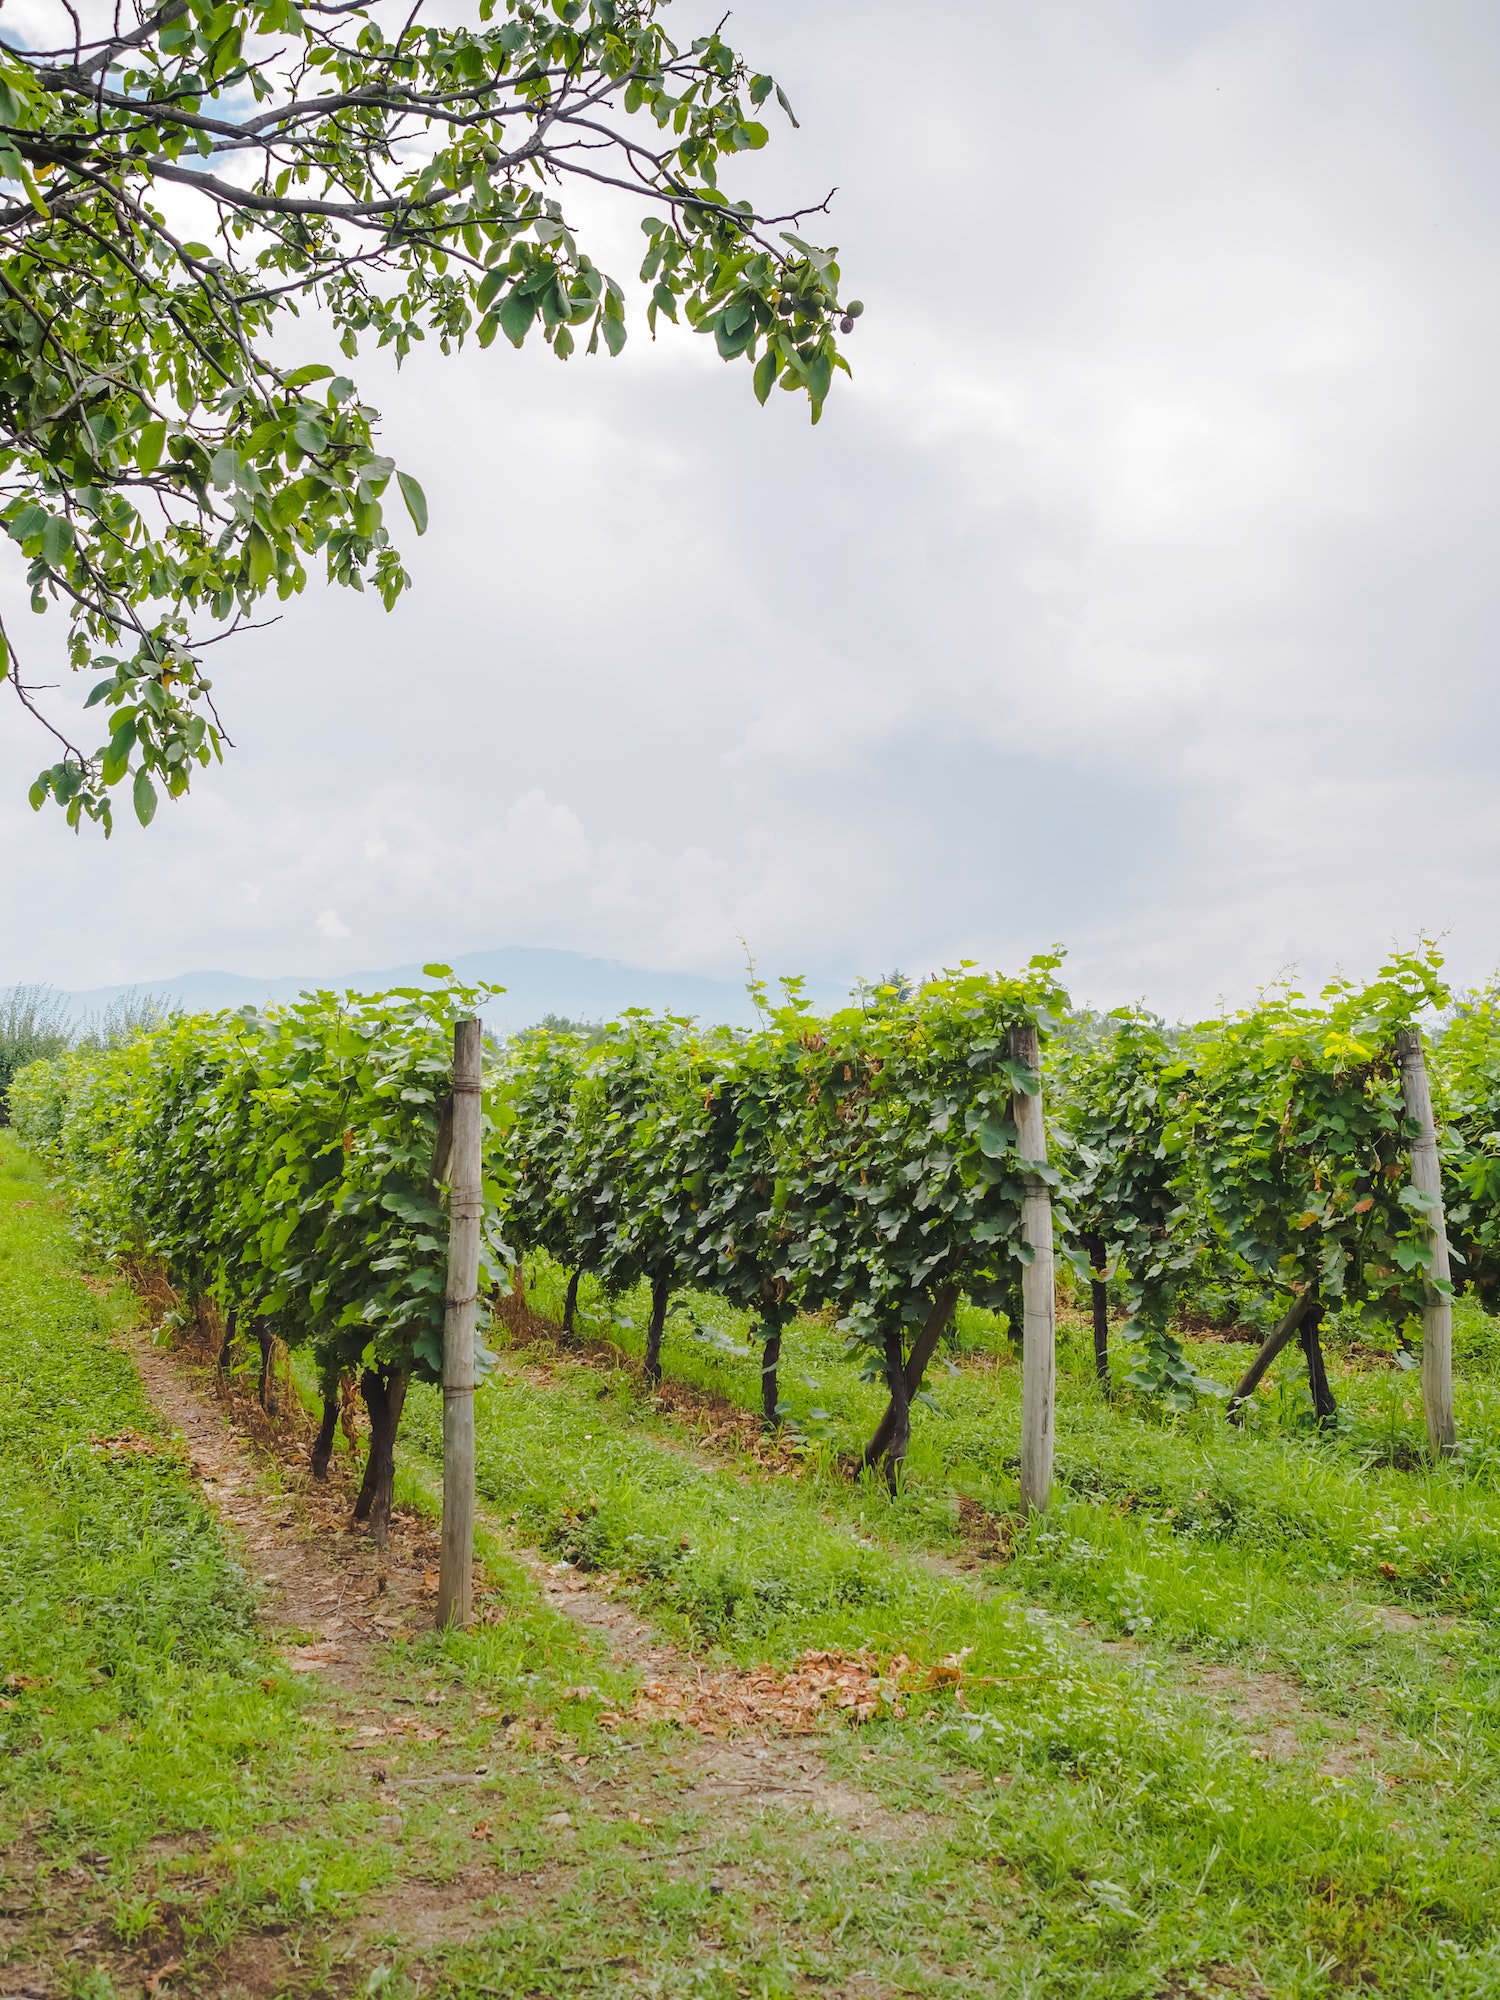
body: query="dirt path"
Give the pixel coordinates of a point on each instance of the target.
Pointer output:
(319, 1577)
(316, 1579)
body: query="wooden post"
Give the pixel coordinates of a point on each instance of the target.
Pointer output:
(1039, 1299)
(1437, 1313)
(465, 1213)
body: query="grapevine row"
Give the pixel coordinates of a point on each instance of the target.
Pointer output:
(868, 1166)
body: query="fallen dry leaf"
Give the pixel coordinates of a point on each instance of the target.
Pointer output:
(125, 1444)
(797, 1701)
(307, 1659)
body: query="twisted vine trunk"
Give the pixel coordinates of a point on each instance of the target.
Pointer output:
(1015, 1318)
(770, 1390)
(322, 1451)
(570, 1303)
(349, 1408)
(900, 1408)
(384, 1393)
(1324, 1406)
(944, 1299)
(1093, 1246)
(1270, 1348)
(266, 1341)
(661, 1292)
(226, 1348)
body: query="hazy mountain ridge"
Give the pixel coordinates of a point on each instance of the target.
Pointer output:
(537, 980)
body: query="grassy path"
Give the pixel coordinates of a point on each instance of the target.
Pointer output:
(233, 1762)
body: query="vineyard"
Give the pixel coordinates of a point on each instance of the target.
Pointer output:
(944, 1342)
(870, 1170)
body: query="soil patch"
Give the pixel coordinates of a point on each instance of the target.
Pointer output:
(1271, 1710)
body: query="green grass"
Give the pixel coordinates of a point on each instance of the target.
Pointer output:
(150, 1733)
(1085, 1822)
(1270, 1549)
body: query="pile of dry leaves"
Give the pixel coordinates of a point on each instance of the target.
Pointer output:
(822, 1688)
(128, 1444)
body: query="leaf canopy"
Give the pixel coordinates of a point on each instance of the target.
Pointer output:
(186, 179)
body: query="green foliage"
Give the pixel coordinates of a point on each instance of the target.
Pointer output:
(1123, 1093)
(907, 1176)
(1466, 1085)
(565, 1024)
(37, 1031)
(38, 1101)
(746, 1166)
(160, 473)
(638, 1104)
(550, 1204)
(35, 1025)
(279, 1162)
(864, 1166)
(1301, 1137)
(857, 1163)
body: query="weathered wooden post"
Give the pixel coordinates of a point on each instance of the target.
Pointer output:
(1038, 1291)
(465, 1213)
(1437, 1313)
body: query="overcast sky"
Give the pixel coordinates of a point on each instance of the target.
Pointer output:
(1140, 591)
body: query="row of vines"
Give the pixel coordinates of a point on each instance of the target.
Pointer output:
(872, 1166)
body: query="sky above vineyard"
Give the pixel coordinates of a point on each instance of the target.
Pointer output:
(1140, 592)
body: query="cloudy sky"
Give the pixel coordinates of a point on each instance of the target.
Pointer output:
(1140, 592)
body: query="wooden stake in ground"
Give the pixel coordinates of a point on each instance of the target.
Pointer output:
(465, 1213)
(1038, 1292)
(1437, 1314)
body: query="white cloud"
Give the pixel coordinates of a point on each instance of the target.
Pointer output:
(1139, 591)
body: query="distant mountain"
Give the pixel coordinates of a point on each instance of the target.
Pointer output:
(536, 982)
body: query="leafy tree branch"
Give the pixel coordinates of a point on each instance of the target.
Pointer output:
(160, 472)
